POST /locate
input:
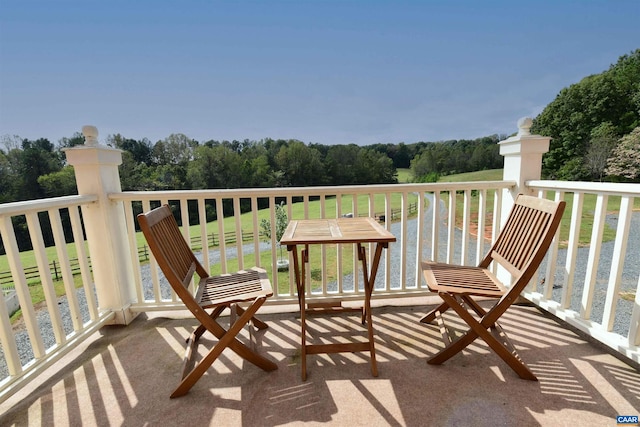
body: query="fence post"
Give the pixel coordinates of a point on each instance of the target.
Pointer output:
(55, 270)
(522, 162)
(96, 170)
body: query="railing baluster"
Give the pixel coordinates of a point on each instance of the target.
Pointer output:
(617, 262)
(239, 246)
(466, 213)
(419, 239)
(323, 252)
(594, 256)
(202, 219)
(552, 258)
(22, 290)
(65, 268)
(256, 230)
(482, 217)
(572, 249)
(37, 240)
(83, 260)
(435, 226)
(223, 244)
(451, 226)
(634, 329)
(403, 242)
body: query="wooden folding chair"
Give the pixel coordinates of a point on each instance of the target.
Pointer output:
(519, 248)
(178, 263)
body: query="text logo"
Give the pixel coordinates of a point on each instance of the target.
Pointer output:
(627, 420)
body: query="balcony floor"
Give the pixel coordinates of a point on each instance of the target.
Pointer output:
(124, 375)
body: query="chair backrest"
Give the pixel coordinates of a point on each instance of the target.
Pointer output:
(525, 237)
(171, 251)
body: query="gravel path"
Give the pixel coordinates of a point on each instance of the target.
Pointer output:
(621, 323)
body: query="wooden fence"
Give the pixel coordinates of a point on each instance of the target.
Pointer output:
(6, 279)
(412, 209)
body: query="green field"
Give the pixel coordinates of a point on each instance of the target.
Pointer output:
(487, 175)
(404, 176)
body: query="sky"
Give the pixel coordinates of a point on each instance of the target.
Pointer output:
(324, 71)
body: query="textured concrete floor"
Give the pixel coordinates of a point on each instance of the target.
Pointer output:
(124, 376)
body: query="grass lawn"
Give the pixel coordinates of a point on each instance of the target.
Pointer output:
(404, 176)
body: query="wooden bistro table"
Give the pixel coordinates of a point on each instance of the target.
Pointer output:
(358, 231)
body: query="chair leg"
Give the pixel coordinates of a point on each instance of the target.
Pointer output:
(478, 329)
(201, 329)
(227, 338)
(431, 316)
(257, 323)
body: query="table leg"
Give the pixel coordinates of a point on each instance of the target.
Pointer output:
(366, 312)
(303, 312)
(299, 274)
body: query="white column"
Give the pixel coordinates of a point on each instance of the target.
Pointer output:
(522, 162)
(96, 170)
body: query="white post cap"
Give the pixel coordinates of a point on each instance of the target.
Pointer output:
(90, 135)
(524, 126)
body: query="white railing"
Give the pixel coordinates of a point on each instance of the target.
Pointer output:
(48, 333)
(593, 286)
(593, 283)
(407, 210)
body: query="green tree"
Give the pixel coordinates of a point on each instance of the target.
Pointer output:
(137, 176)
(140, 150)
(301, 165)
(216, 167)
(6, 187)
(76, 139)
(176, 149)
(35, 159)
(612, 96)
(172, 156)
(340, 163)
(60, 183)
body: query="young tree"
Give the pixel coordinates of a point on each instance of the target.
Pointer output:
(625, 160)
(281, 225)
(603, 140)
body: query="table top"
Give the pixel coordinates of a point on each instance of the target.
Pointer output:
(337, 230)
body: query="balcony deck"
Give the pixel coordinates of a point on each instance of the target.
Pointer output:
(124, 375)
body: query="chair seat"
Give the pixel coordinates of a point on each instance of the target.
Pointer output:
(236, 287)
(458, 279)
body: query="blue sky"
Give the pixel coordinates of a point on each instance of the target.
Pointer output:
(328, 72)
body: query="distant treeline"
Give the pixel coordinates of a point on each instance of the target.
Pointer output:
(35, 169)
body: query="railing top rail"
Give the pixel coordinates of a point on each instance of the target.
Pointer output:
(320, 190)
(39, 205)
(588, 187)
